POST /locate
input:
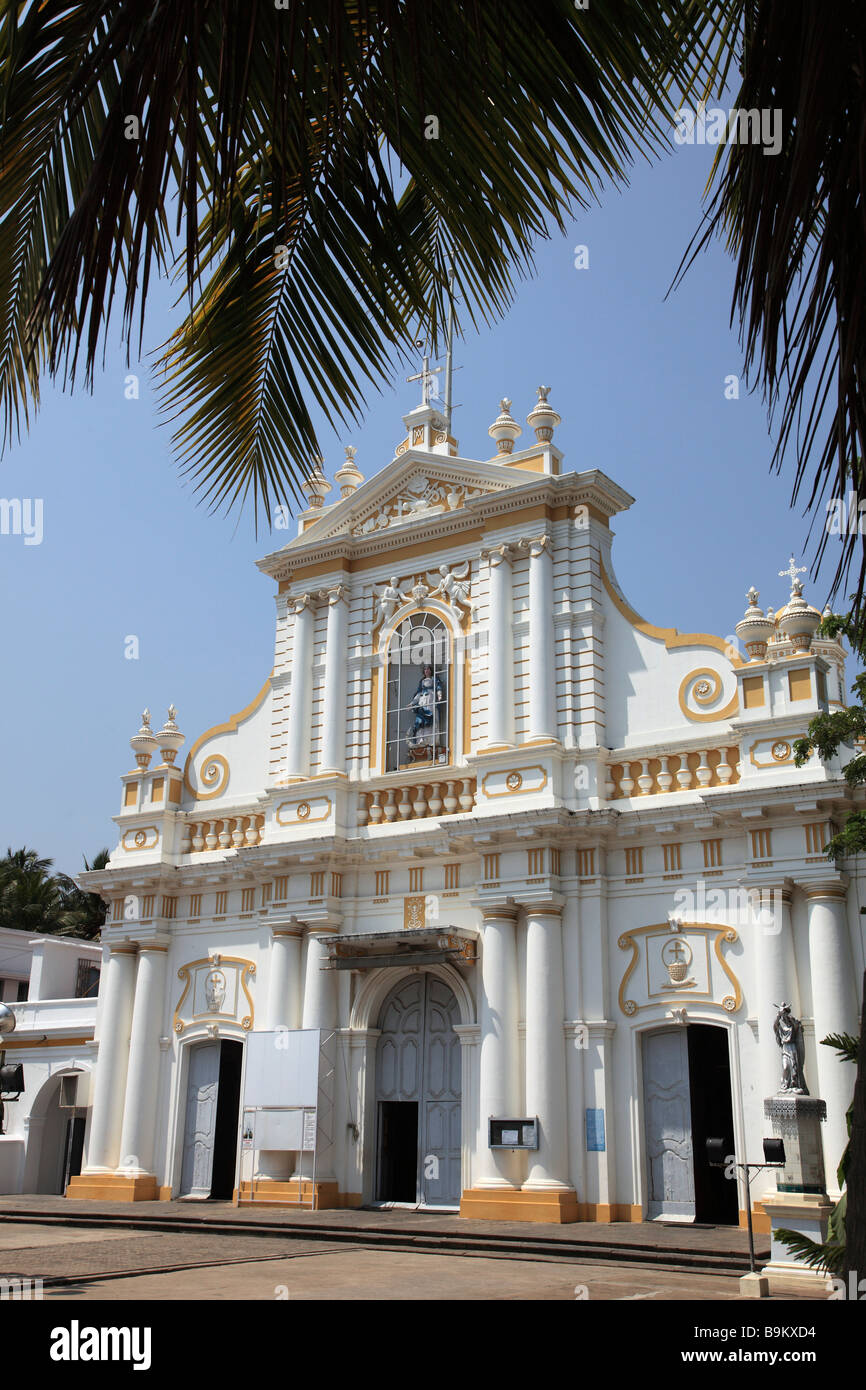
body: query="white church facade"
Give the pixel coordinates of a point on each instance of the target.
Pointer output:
(534, 872)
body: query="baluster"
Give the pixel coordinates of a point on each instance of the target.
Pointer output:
(665, 778)
(467, 795)
(390, 808)
(250, 836)
(210, 838)
(626, 782)
(450, 801)
(197, 838)
(404, 807)
(703, 772)
(225, 837)
(684, 772)
(724, 771)
(363, 809)
(419, 805)
(435, 803)
(645, 781)
(238, 831)
(376, 808)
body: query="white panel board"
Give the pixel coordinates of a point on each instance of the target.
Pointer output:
(282, 1068)
(279, 1129)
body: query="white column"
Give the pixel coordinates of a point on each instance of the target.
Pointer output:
(336, 685)
(500, 662)
(542, 665)
(320, 1011)
(834, 1008)
(545, 1048)
(775, 982)
(284, 979)
(112, 1062)
(498, 1071)
(139, 1111)
(298, 732)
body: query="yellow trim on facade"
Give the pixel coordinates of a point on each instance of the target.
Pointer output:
(229, 727)
(669, 635)
(706, 672)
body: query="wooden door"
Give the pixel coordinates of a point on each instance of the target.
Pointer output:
(202, 1093)
(440, 1119)
(418, 1065)
(668, 1123)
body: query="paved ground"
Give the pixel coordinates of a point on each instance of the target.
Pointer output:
(218, 1265)
(256, 1268)
(644, 1234)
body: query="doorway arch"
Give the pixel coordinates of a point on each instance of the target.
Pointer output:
(55, 1138)
(418, 1095)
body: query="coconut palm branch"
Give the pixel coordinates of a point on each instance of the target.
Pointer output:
(306, 171)
(796, 224)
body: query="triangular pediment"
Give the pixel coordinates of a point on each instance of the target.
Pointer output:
(412, 489)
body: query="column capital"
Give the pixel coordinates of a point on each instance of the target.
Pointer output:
(550, 905)
(834, 888)
(283, 929)
(496, 905)
(318, 922)
(335, 594)
(536, 545)
(298, 602)
(496, 554)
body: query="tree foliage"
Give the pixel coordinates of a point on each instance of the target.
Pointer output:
(33, 899)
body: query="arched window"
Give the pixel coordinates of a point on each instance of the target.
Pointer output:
(416, 720)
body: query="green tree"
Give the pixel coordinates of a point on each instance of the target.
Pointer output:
(83, 914)
(33, 899)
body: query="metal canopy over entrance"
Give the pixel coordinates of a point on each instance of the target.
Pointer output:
(415, 946)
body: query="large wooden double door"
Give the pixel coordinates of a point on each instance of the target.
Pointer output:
(418, 1095)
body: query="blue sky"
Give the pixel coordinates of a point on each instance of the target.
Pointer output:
(127, 551)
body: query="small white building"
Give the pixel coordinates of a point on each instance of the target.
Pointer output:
(537, 870)
(51, 984)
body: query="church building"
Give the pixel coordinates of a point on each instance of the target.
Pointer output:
(518, 878)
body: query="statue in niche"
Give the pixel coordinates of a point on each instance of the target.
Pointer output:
(789, 1036)
(426, 701)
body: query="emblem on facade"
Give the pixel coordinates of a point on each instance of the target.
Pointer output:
(215, 987)
(215, 991)
(677, 956)
(781, 751)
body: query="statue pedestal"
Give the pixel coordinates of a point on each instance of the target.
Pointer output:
(800, 1202)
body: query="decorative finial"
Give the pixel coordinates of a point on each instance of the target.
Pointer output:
(543, 418)
(143, 743)
(315, 485)
(755, 628)
(349, 477)
(170, 738)
(505, 428)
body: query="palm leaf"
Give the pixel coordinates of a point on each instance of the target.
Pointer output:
(299, 128)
